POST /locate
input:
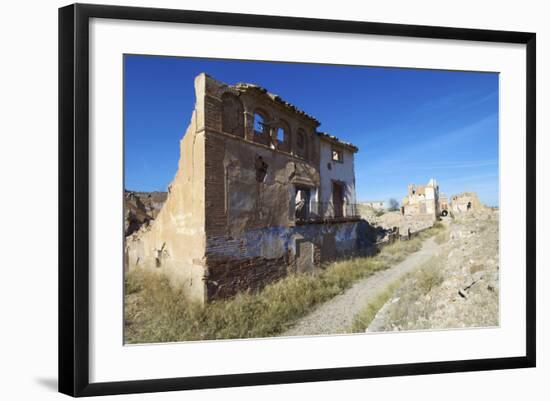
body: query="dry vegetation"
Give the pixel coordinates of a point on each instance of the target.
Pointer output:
(458, 288)
(413, 286)
(363, 319)
(414, 289)
(156, 312)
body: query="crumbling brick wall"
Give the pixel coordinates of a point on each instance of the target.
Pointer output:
(250, 178)
(228, 224)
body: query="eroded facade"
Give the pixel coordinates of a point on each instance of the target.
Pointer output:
(422, 200)
(259, 193)
(464, 202)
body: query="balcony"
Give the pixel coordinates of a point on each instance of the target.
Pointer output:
(326, 212)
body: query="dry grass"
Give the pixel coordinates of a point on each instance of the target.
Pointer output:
(161, 315)
(411, 287)
(442, 237)
(363, 319)
(416, 286)
(156, 312)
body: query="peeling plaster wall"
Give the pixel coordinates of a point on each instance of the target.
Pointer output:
(236, 200)
(275, 242)
(249, 221)
(258, 257)
(343, 172)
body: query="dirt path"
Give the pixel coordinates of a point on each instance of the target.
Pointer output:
(336, 315)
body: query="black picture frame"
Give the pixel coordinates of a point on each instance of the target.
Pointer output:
(74, 198)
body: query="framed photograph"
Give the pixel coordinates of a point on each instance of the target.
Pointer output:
(251, 199)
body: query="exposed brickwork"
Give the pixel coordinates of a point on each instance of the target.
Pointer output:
(223, 244)
(212, 113)
(228, 277)
(232, 115)
(215, 191)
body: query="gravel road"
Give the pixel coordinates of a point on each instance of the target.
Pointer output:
(336, 315)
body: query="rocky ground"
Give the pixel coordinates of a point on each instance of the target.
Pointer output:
(457, 288)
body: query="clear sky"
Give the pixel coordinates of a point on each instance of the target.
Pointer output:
(410, 125)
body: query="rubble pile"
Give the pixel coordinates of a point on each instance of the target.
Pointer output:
(390, 220)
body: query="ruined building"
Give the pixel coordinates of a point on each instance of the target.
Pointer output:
(422, 200)
(465, 202)
(443, 204)
(376, 205)
(259, 193)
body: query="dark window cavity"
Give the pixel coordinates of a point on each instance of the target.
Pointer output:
(337, 155)
(261, 169)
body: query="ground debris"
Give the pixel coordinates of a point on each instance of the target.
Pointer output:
(468, 292)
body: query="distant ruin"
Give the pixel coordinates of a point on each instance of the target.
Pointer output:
(258, 193)
(422, 200)
(444, 204)
(465, 202)
(376, 205)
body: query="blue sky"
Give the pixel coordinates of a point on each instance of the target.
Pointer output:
(410, 125)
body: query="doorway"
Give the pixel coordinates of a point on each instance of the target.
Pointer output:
(338, 199)
(301, 203)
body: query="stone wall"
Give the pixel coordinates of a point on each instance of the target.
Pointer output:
(336, 171)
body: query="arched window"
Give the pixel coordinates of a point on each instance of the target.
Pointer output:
(232, 115)
(260, 120)
(282, 136)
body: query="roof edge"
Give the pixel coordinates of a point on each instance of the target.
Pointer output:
(331, 138)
